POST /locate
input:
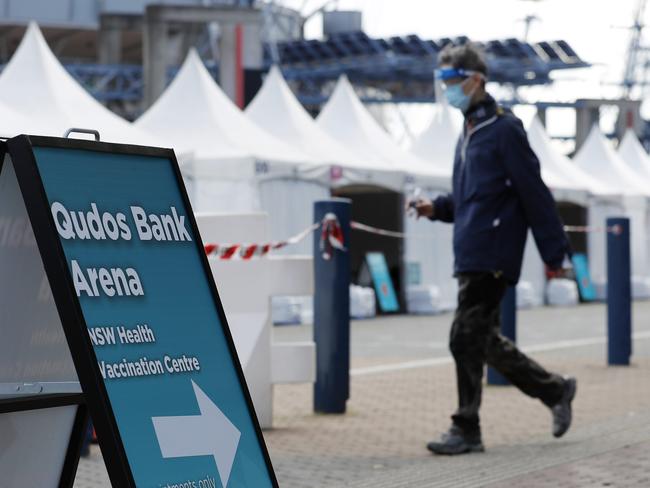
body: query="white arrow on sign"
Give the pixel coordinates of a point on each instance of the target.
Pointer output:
(208, 434)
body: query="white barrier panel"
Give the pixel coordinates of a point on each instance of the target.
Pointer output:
(246, 288)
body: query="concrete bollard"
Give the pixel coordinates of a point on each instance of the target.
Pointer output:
(332, 313)
(619, 292)
(508, 329)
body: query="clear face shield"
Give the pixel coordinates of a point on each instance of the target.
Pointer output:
(453, 81)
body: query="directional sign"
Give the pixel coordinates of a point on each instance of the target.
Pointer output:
(209, 434)
(384, 289)
(141, 313)
(585, 285)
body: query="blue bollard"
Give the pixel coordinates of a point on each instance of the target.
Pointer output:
(332, 314)
(508, 329)
(619, 292)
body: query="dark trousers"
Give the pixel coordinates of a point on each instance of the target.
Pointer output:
(475, 340)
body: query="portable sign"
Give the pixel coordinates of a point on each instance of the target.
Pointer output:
(382, 282)
(43, 431)
(141, 314)
(42, 411)
(585, 285)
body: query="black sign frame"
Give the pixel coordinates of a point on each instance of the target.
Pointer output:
(78, 434)
(69, 308)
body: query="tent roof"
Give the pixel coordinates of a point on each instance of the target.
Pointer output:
(196, 115)
(557, 170)
(36, 85)
(632, 152)
(276, 109)
(346, 119)
(13, 123)
(437, 144)
(597, 157)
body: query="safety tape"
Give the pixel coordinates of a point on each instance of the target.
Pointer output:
(376, 230)
(249, 251)
(332, 238)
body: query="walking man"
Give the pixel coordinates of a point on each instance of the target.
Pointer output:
(497, 195)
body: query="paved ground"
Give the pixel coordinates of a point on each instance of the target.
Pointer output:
(402, 392)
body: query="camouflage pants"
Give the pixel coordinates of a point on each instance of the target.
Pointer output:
(475, 340)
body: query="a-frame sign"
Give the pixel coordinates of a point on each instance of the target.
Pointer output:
(141, 313)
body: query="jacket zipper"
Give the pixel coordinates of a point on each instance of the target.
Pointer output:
(471, 132)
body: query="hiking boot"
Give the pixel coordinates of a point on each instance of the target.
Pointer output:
(562, 410)
(455, 441)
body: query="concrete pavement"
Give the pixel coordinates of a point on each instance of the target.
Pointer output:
(403, 390)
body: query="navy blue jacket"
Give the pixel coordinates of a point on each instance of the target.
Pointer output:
(498, 193)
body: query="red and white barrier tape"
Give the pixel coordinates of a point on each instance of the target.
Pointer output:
(332, 238)
(248, 251)
(375, 230)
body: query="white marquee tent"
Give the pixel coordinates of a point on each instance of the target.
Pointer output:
(36, 85)
(437, 143)
(198, 117)
(436, 146)
(598, 158)
(346, 119)
(570, 184)
(232, 163)
(560, 173)
(632, 152)
(13, 123)
(277, 110)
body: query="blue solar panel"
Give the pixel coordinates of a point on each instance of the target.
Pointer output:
(409, 61)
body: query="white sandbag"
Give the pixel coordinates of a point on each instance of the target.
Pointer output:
(286, 310)
(423, 299)
(640, 287)
(526, 295)
(306, 309)
(362, 302)
(561, 292)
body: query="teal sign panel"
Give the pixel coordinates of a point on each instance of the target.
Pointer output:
(585, 285)
(382, 282)
(161, 345)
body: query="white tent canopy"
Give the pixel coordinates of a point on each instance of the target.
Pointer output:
(346, 119)
(13, 123)
(437, 144)
(231, 160)
(433, 246)
(429, 245)
(36, 85)
(196, 116)
(567, 179)
(597, 157)
(632, 152)
(570, 184)
(276, 109)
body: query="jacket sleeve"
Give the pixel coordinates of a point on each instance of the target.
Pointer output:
(524, 172)
(443, 208)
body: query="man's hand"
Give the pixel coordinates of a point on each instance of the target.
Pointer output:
(566, 273)
(422, 207)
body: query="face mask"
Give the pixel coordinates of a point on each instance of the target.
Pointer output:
(457, 97)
